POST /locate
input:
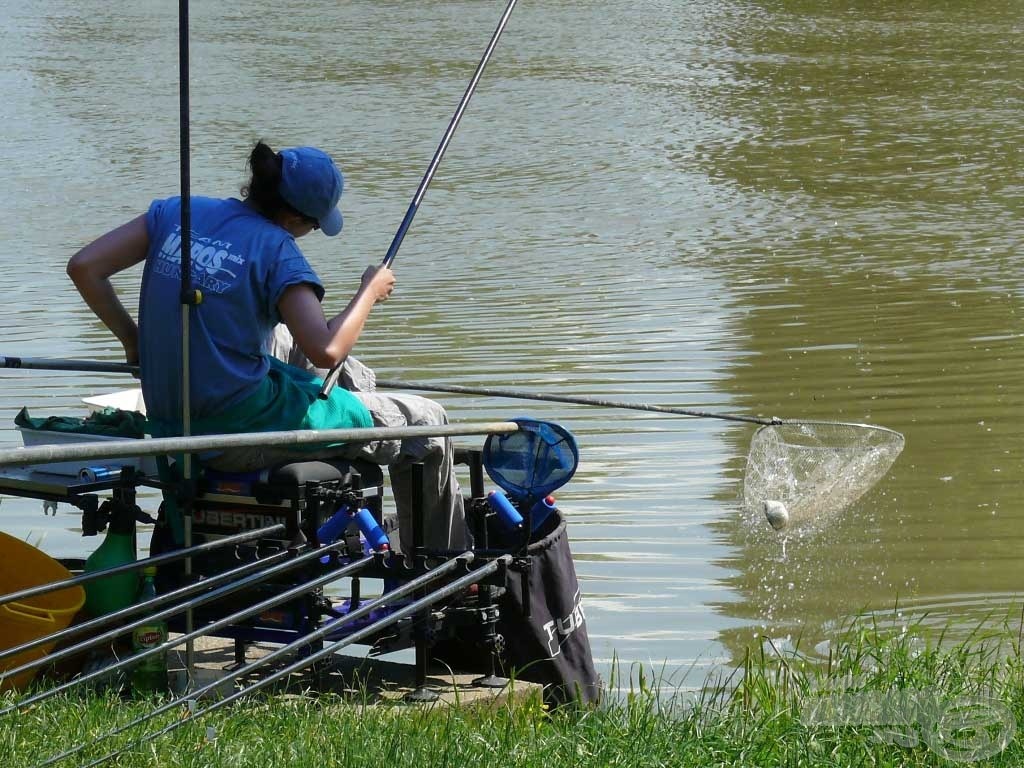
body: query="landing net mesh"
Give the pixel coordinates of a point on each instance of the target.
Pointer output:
(533, 462)
(817, 469)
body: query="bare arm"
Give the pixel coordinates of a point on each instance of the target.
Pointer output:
(91, 268)
(327, 343)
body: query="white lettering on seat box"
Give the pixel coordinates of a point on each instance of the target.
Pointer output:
(559, 629)
(233, 518)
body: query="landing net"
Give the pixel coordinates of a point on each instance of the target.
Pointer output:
(533, 462)
(817, 469)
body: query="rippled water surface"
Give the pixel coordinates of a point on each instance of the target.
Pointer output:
(809, 210)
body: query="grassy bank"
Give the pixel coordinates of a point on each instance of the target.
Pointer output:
(879, 701)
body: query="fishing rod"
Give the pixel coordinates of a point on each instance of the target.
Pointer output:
(167, 557)
(780, 459)
(332, 378)
(255, 609)
(305, 640)
(305, 661)
(62, 364)
(518, 394)
(116, 617)
(99, 367)
(227, 583)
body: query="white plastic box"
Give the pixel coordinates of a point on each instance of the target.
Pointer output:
(30, 437)
(124, 400)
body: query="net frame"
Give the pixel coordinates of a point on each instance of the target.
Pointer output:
(816, 469)
(533, 462)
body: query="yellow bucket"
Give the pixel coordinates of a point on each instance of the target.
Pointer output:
(23, 566)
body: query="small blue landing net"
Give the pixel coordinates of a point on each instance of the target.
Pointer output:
(533, 462)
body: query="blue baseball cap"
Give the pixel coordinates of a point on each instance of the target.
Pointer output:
(311, 184)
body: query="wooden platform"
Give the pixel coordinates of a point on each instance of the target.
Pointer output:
(364, 680)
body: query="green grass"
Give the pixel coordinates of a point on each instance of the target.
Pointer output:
(761, 714)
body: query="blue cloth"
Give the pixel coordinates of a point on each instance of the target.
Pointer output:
(242, 262)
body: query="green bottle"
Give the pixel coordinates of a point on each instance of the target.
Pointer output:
(150, 674)
(112, 593)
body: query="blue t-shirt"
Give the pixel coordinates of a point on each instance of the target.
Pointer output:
(242, 263)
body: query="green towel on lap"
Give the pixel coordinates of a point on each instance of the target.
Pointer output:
(110, 422)
(286, 399)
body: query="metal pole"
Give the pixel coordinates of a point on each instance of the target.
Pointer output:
(442, 593)
(239, 578)
(233, 575)
(234, 618)
(167, 557)
(130, 448)
(188, 297)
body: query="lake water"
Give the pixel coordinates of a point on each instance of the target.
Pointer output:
(802, 209)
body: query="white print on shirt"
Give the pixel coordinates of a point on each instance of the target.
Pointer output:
(209, 257)
(173, 271)
(559, 629)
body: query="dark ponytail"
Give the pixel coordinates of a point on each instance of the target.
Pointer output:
(265, 181)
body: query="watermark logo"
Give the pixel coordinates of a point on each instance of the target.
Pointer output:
(963, 728)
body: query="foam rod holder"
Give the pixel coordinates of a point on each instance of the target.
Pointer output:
(372, 532)
(507, 513)
(332, 528)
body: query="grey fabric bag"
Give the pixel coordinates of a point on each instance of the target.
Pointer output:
(551, 645)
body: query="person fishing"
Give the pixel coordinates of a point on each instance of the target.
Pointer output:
(261, 297)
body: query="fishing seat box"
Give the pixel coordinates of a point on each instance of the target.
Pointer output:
(300, 495)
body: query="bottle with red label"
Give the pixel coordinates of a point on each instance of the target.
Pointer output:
(150, 674)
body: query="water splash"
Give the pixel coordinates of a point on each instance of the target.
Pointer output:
(816, 469)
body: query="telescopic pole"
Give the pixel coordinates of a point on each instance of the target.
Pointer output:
(332, 378)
